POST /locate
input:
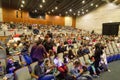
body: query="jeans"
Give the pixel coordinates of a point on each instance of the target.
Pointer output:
(47, 77)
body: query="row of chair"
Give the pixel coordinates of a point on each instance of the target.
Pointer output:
(111, 50)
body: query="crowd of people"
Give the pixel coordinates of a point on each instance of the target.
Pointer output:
(46, 41)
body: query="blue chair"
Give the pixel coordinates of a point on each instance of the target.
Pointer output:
(109, 59)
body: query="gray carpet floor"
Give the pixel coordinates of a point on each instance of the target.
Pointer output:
(114, 74)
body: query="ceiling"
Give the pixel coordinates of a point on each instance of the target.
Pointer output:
(56, 7)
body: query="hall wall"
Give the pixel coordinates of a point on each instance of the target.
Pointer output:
(93, 21)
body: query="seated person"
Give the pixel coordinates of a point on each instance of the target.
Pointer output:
(71, 54)
(52, 68)
(86, 50)
(92, 66)
(14, 50)
(41, 73)
(74, 41)
(66, 59)
(62, 68)
(12, 66)
(78, 72)
(61, 48)
(80, 51)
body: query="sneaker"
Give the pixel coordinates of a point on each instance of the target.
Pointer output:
(95, 76)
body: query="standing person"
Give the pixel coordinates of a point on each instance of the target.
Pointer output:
(103, 62)
(40, 52)
(4, 28)
(34, 47)
(48, 45)
(98, 52)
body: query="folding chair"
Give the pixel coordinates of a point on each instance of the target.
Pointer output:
(82, 60)
(22, 74)
(33, 66)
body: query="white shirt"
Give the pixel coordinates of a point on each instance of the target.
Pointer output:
(58, 62)
(104, 59)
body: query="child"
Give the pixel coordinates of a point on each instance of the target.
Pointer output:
(92, 67)
(103, 63)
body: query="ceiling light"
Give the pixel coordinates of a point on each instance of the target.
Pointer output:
(20, 9)
(52, 10)
(49, 12)
(35, 10)
(70, 10)
(23, 2)
(43, 1)
(78, 11)
(56, 7)
(86, 10)
(91, 4)
(41, 6)
(96, 5)
(74, 14)
(78, 14)
(66, 12)
(82, 9)
(22, 5)
(83, 12)
(83, 1)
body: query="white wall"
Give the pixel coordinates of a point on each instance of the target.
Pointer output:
(68, 21)
(1, 18)
(93, 20)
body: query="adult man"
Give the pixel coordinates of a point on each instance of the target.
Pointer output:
(39, 53)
